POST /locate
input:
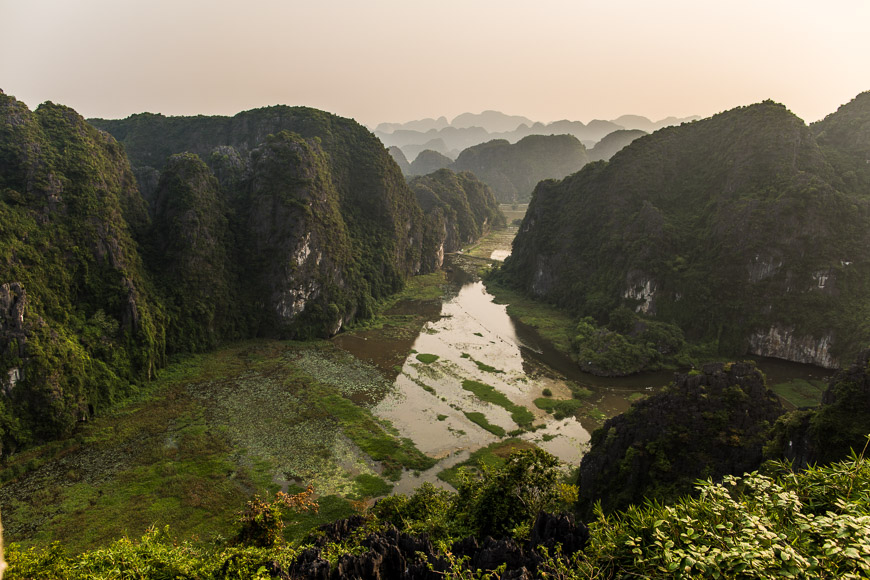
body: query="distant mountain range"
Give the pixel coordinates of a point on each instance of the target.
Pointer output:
(469, 129)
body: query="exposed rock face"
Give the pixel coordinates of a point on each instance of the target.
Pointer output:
(284, 222)
(705, 425)
(383, 221)
(833, 430)
(735, 228)
(781, 342)
(391, 554)
(79, 320)
(298, 240)
(460, 208)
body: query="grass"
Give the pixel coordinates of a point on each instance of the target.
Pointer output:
(520, 415)
(597, 414)
(371, 486)
(492, 455)
(480, 420)
(427, 358)
(559, 408)
(800, 392)
(205, 437)
(481, 365)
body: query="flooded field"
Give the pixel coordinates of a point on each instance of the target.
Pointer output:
(474, 376)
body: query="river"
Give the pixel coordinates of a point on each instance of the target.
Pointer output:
(474, 339)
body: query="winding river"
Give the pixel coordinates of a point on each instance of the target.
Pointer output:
(475, 339)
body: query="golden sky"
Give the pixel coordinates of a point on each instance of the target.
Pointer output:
(397, 60)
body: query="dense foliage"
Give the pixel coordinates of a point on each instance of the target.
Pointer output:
(382, 220)
(844, 136)
(706, 424)
(513, 170)
(835, 428)
(814, 524)
(733, 228)
(286, 222)
(459, 208)
(81, 323)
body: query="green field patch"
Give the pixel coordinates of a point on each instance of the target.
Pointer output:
(427, 358)
(480, 420)
(369, 486)
(481, 365)
(369, 434)
(559, 408)
(520, 415)
(801, 392)
(211, 432)
(492, 455)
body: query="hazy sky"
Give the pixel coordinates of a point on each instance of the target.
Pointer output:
(397, 60)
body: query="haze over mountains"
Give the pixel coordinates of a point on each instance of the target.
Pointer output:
(748, 230)
(468, 129)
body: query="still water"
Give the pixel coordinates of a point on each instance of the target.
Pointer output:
(475, 339)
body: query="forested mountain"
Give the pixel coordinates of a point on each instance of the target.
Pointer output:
(80, 320)
(469, 129)
(427, 162)
(282, 222)
(844, 136)
(460, 208)
(737, 228)
(513, 170)
(613, 142)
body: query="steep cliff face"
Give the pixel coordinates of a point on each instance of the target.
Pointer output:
(191, 247)
(457, 204)
(299, 253)
(731, 227)
(704, 425)
(381, 216)
(80, 320)
(513, 170)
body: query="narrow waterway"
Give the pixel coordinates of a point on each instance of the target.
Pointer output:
(474, 339)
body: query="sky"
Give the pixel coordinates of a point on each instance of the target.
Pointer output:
(399, 60)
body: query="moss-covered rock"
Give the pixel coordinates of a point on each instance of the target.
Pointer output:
(706, 424)
(82, 320)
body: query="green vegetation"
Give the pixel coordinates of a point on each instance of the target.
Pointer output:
(553, 324)
(482, 365)
(215, 429)
(725, 228)
(513, 170)
(560, 408)
(520, 415)
(480, 419)
(658, 449)
(427, 358)
(800, 392)
(801, 525)
(806, 525)
(458, 204)
(499, 497)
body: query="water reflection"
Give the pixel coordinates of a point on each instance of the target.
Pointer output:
(474, 339)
